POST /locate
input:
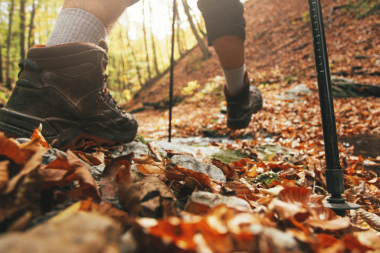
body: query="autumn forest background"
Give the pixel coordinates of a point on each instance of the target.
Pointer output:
(212, 189)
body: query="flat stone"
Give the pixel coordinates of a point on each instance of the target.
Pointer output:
(190, 163)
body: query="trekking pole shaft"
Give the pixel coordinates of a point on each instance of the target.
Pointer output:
(334, 173)
(172, 72)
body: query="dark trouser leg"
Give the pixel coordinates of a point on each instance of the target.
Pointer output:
(223, 18)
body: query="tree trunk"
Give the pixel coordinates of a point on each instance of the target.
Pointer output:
(145, 41)
(153, 42)
(179, 42)
(122, 60)
(22, 29)
(31, 26)
(206, 53)
(9, 46)
(134, 59)
(1, 64)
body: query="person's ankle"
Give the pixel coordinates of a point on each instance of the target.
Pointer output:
(76, 25)
(234, 79)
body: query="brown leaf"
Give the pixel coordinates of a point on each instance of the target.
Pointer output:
(326, 219)
(296, 195)
(143, 197)
(33, 163)
(79, 232)
(64, 171)
(24, 197)
(153, 148)
(201, 178)
(242, 191)
(228, 171)
(147, 165)
(4, 175)
(286, 209)
(174, 152)
(113, 174)
(95, 158)
(21, 223)
(173, 174)
(372, 219)
(16, 152)
(279, 166)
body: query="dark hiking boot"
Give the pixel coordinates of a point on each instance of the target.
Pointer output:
(64, 89)
(242, 105)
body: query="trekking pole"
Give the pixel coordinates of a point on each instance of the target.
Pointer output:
(334, 172)
(172, 72)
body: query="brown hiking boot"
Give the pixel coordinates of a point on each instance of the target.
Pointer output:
(242, 105)
(64, 89)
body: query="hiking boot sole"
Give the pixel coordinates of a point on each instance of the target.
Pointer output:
(15, 124)
(243, 122)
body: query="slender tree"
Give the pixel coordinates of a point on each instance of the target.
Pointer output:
(31, 25)
(122, 61)
(206, 53)
(145, 41)
(134, 58)
(179, 42)
(1, 63)
(22, 28)
(9, 46)
(153, 41)
(1, 55)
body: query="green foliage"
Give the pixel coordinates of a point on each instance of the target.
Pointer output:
(306, 17)
(290, 79)
(215, 85)
(141, 139)
(267, 178)
(191, 87)
(363, 8)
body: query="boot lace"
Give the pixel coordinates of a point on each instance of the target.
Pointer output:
(106, 95)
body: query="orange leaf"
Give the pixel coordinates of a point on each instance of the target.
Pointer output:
(4, 175)
(353, 245)
(147, 165)
(39, 137)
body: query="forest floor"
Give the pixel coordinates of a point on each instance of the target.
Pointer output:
(261, 189)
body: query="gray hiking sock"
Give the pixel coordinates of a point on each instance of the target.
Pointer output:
(234, 79)
(76, 25)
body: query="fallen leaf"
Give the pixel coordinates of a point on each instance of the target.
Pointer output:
(143, 198)
(372, 219)
(114, 173)
(40, 138)
(228, 171)
(296, 195)
(79, 232)
(64, 171)
(153, 148)
(4, 175)
(147, 165)
(95, 158)
(353, 245)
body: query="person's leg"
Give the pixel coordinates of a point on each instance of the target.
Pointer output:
(225, 26)
(230, 51)
(86, 21)
(63, 86)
